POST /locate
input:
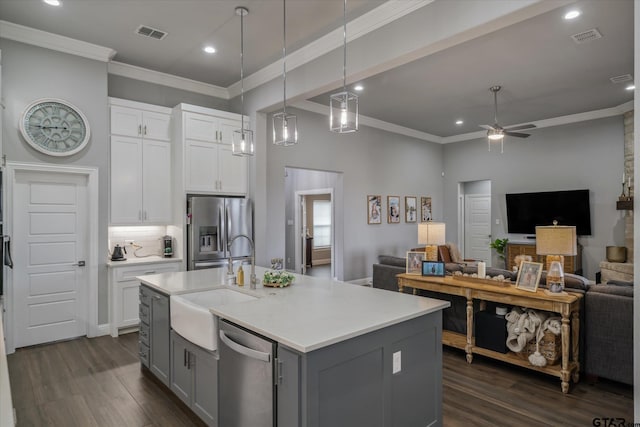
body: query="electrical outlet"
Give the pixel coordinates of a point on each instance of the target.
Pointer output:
(397, 362)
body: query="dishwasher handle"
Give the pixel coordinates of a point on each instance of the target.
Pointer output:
(246, 351)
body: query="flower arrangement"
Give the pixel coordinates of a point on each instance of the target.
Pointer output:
(277, 278)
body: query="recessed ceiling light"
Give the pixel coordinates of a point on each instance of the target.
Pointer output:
(209, 49)
(572, 14)
(630, 87)
(459, 122)
(358, 88)
(52, 2)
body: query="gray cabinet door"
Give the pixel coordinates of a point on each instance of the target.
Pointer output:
(288, 381)
(205, 385)
(159, 330)
(181, 376)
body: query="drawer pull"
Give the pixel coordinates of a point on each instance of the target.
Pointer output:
(150, 272)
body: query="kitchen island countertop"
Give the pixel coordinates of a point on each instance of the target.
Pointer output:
(310, 314)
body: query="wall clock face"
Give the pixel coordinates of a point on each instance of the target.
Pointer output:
(55, 127)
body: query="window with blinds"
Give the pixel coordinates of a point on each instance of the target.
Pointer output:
(321, 223)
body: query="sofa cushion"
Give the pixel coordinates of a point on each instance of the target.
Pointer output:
(624, 291)
(619, 283)
(392, 260)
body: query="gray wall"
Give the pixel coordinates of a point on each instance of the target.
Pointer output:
(151, 93)
(582, 155)
(372, 162)
(29, 73)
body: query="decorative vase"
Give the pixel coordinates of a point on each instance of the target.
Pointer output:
(616, 254)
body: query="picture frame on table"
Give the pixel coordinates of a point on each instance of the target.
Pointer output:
(374, 209)
(410, 209)
(393, 209)
(425, 209)
(529, 276)
(414, 262)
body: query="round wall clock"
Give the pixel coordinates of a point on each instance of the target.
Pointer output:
(54, 127)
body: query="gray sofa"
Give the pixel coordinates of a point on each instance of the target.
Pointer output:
(609, 331)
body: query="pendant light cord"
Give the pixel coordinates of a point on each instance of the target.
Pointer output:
(284, 54)
(242, 13)
(344, 36)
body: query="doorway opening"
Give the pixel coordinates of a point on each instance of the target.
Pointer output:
(314, 220)
(474, 220)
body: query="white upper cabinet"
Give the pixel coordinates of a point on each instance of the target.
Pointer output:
(140, 164)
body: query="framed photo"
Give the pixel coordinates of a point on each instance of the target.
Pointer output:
(393, 205)
(374, 209)
(414, 262)
(433, 268)
(425, 209)
(529, 276)
(410, 209)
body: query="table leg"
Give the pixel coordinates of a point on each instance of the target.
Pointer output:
(564, 373)
(400, 287)
(469, 346)
(575, 339)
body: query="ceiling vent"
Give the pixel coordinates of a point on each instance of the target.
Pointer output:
(621, 79)
(586, 36)
(154, 33)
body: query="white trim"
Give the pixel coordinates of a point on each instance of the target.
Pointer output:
(150, 76)
(102, 330)
(139, 105)
(92, 175)
(22, 34)
(188, 108)
(555, 121)
(314, 107)
(360, 26)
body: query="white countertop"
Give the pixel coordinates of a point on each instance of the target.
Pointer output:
(310, 314)
(154, 259)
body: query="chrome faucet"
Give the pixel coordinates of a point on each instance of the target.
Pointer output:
(252, 278)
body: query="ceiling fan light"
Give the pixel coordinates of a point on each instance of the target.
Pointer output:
(495, 134)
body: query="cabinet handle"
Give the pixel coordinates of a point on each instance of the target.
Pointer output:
(145, 215)
(139, 215)
(220, 140)
(157, 297)
(139, 129)
(184, 357)
(145, 129)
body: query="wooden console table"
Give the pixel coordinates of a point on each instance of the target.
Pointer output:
(568, 306)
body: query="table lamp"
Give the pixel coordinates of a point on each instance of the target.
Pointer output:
(431, 234)
(556, 242)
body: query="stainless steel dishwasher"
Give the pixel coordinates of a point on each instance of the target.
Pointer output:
(246, 387)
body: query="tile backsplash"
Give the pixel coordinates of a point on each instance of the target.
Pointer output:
(149, 237)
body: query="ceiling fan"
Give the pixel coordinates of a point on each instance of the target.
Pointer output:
(497, 132)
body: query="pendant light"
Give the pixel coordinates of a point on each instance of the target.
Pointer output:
(242, 143)
(343, 114)
(285, 125)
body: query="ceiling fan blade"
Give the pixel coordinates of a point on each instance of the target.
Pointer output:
(487, 127)
(521, 127)
(517, 134)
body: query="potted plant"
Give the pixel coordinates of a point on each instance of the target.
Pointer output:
(500, 245)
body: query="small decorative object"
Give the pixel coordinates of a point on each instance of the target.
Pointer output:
(616, 254)
(517, 260)
(500, 245)
(529, 276)
(55, 127)
(276, 263)
(277, 279)
(425, 209)
(433, 268)
(393, 204)
(414, 262)
(482, 269)
(410, 208)
(374, 209)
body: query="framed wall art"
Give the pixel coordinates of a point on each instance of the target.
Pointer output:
(410, 209)
(374, 209)
(393, 207)
(425, 209)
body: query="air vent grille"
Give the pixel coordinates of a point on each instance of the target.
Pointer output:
(621, 79)
(587, 36)
(154, 33)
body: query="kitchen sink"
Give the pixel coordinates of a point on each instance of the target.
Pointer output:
(191, 318)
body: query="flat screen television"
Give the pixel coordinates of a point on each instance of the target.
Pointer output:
(526, 210)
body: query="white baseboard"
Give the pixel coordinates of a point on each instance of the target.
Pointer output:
(103, 329)
(365, 281)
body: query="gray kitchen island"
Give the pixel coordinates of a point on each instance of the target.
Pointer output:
(317, 353)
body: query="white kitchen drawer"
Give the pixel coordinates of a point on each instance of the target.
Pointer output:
(124, 274)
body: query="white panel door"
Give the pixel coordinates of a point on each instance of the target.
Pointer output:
(126, 121)
(156, 181)
(50, 233)
(477, 230)
(201, 165)
(126, 180)
(156, 126)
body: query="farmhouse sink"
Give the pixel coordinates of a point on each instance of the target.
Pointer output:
(191, 318)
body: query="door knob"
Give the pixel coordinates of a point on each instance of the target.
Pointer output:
(79, 264)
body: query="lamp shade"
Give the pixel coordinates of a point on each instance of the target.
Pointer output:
(556, 240)
(431, 233)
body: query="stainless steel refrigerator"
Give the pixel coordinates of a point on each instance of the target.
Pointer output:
(211, 223)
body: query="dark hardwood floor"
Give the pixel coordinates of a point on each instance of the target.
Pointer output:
(98, 382)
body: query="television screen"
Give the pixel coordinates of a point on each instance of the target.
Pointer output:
(527, 210)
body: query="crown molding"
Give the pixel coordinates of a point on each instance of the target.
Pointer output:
(314, 107)
(360, 26)
(22, 34)
(150, 76)
(546, 123)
